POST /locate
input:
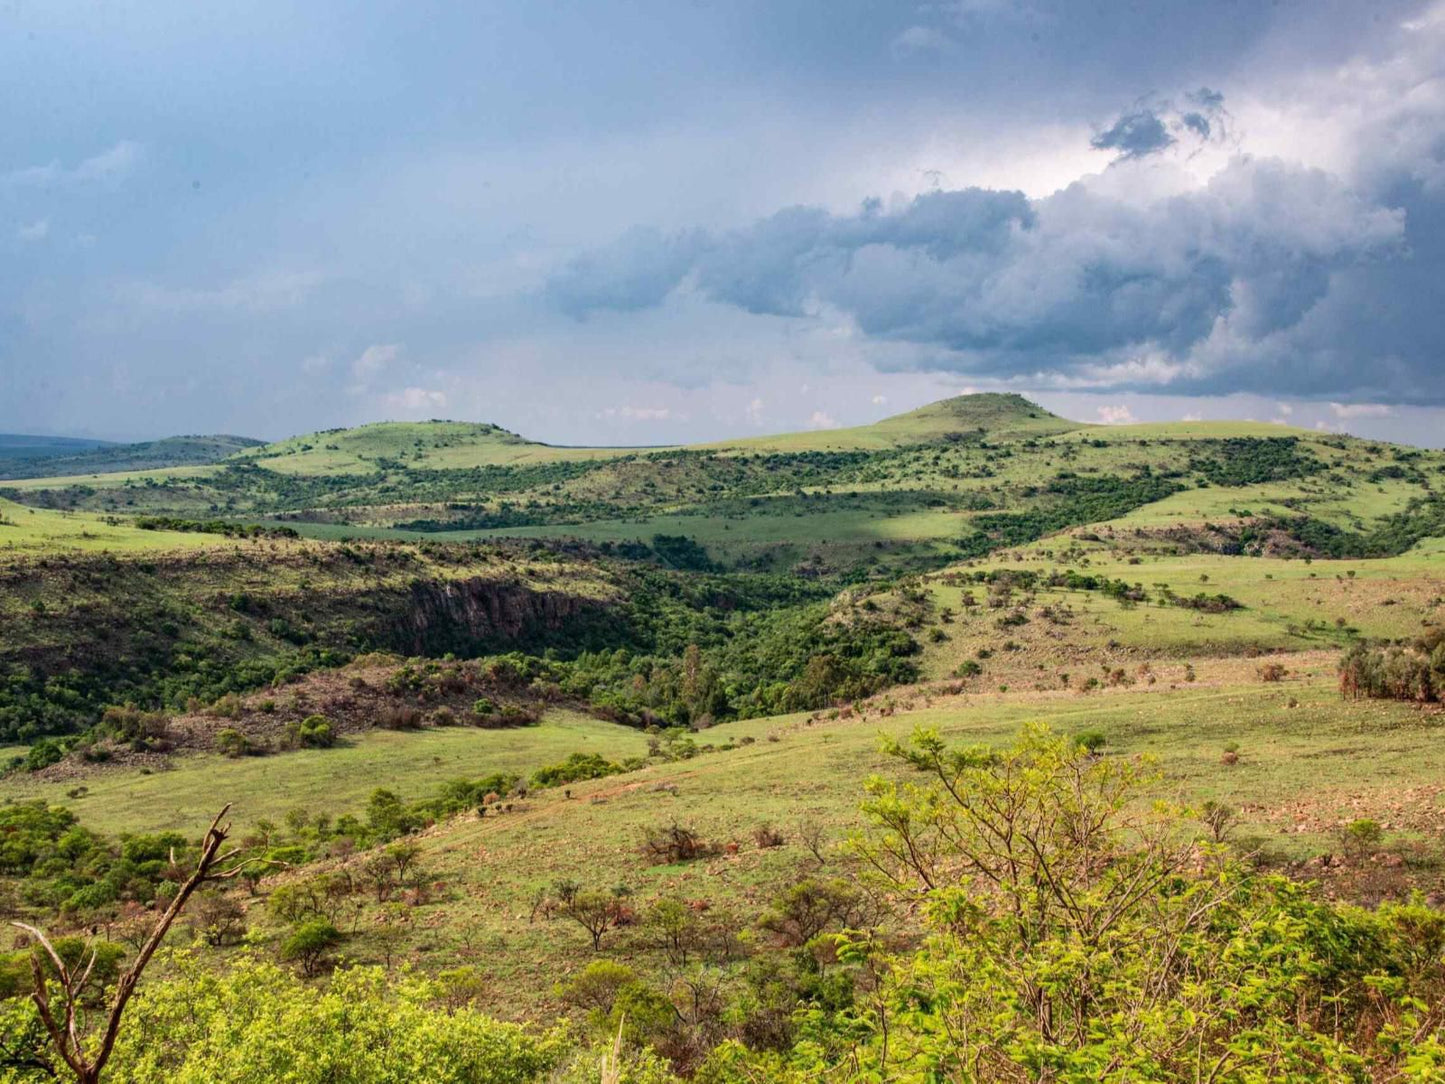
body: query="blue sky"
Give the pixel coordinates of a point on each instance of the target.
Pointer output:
(657, 221)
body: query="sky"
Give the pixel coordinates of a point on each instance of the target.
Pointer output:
(650, 221)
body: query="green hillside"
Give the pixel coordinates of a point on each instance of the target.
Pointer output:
(915, 490)
(488, 708)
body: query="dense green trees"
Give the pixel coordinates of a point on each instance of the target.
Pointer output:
(1414, 671)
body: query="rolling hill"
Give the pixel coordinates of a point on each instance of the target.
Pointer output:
(461, 686)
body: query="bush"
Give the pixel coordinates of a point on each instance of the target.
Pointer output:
(596, 912)
(1362, 837)
(399, 717)
(309, 944)
(312, 732)
(766, 836)
(815, 906)
(675, 843)
(254, 1023)
(575, 769)
(1091, 741)
(230, 742)
(1272, 672)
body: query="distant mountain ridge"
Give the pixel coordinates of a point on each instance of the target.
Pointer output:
(27, 446)
(58, 457)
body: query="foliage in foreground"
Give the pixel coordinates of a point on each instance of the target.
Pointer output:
(1072, 932)
(257, 1022)
(1076, 934)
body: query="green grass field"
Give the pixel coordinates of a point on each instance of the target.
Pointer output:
(1308, 763)
(34, 531)
(185, 796)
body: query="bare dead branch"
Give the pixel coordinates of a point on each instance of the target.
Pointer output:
(69, 1041)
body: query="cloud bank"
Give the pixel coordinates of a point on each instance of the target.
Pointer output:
(1126, 279)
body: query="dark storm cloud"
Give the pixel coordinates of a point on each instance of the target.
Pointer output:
(208, 213)
(1074, 286)
(1134, 135)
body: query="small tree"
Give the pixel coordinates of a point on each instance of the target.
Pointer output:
(379, 871)
(312, 732)
(596, 912)
(309, 944)
(1362, 837)
(230, 742)
(1218, 818)
(403, 857)
(219, 919)
(674, 927)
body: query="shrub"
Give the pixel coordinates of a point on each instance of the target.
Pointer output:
(675, 843)
(232, 743)
(1217, 817)
(1362, 837)
(312, 732)
(1272, 672)
(576, 768)
(766, 836)
(309, 944)
(1091, 741)
(218, 919)
(595, 911)
(399, 717)
(596, 987)
(815, 906)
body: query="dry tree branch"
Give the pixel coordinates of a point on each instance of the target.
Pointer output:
(67, 1039)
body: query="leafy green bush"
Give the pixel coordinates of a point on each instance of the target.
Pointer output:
(575, 769)
(312, 732)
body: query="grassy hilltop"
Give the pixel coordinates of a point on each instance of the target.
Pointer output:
(461, 686)
(916, 489)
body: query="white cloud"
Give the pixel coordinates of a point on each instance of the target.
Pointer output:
(262, 292)
(34, 231)
(755, 412)
(316, 363)
(1360, 410)
(1192, 416)
(821, 419)
(111, 164)
(637, 414)
(1116, 415)
(374, 359)
(880, 400)
(414, 400)
(920, 39)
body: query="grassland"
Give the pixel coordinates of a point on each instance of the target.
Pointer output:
(1308, 763)
(908, 526)
(916, 484)
(181, 797)
(32, 531)
(169, 453)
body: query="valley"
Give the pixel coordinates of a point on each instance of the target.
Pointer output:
(487, 710)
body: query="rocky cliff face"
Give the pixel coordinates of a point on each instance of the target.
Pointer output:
(81, 632)
(475, 616)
